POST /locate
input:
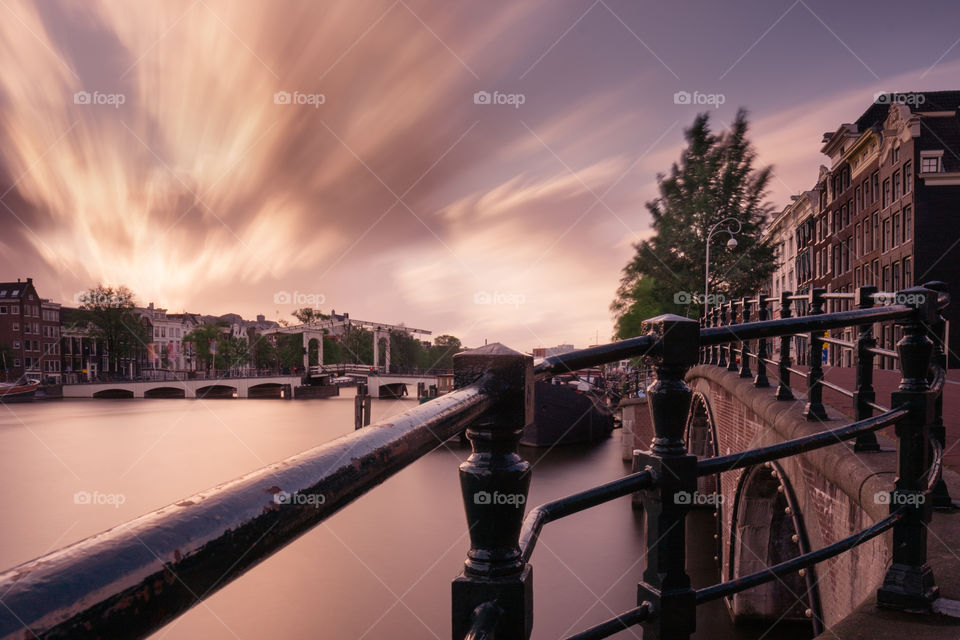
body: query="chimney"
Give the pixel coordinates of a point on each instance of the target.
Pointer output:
(261, 318)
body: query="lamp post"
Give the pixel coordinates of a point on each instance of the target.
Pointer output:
(731, 244)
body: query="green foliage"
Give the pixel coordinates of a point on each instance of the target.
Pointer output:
(232, 353)
(307, 315)
(714, 179)
(442, 352)
(640, 303)
(203, 337)
(114, 324)
(263, 353)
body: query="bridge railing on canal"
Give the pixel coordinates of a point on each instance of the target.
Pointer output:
(133, 579)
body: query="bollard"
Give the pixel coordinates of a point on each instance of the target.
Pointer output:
(666, 584)
(909, 584)
(494, 481)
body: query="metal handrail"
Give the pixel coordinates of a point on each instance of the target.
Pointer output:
(541, 515)
(616, 625)
(837, 388)
(644, 345)
(200, 544)
(769, 574)
(719, 464)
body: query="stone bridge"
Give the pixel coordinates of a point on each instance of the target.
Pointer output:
(272, 386)
(770, 513)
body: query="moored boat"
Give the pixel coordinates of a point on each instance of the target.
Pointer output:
(17, 391)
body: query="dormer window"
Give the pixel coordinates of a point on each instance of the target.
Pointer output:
(930, 161)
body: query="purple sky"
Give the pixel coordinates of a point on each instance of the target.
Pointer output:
(399, 198)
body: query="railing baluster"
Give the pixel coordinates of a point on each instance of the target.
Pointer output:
(815, 409)
(494, 481)
(909, 583)
(722, 362)
(731, 359)
(864, 394)
(715, 349)
(784, 392)
(763, 313)
(940, 496)
(665, 580)
(745, 344)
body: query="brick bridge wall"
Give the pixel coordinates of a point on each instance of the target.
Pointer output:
(831, 494)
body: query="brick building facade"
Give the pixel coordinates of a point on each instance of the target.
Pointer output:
(29, 332)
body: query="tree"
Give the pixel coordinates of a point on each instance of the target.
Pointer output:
(444, 348)
(714, 179)
(307, 315)
(115, 325)
(635, 305)
(204, 337)
(263, 352)
(232, 353)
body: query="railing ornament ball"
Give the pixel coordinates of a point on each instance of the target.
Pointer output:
(495, 481)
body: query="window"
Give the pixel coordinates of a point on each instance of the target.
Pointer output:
(907, 178)
(15, 309)
(858, 246)
(875, 182)
(876, 231)
(886, 194)
(886, 278)
(897, 183)
(866, 237)
(929, 163)
(895, 156)
(16, 326)
(887, 241)
(895, 240)
(16, 344)
(865, 192)
(856, 199)
(907, 273)
(896, 276)
(907, 223)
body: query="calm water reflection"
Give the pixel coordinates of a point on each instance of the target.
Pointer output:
(379, 569)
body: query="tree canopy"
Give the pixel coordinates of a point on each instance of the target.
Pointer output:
(714, 179)
(110, 312)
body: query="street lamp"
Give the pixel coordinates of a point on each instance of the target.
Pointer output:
(731, 244)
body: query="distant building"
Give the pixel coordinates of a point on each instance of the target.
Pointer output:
(29, 332)
(546, 352)
(885, 209)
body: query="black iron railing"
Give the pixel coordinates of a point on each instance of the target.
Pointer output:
(131, 580)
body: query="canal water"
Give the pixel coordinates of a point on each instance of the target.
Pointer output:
(381, 568)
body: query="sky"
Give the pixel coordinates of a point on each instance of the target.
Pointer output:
(472, 168)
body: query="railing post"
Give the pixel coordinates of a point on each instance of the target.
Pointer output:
(941, 496)
(815, 409)
(745, 344)
(714, 322)
(784, 392)
(864, 393)
(722, 362)
(494, 481)
(731, 360)
(909, 583)
(763, 313)
(666, 584)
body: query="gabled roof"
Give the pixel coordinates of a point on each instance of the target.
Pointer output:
(14, 290)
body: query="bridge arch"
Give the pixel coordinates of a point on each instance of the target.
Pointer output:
(217, 391)
(165, 392)
(267, 390)
(767, 529)
(113, 393)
